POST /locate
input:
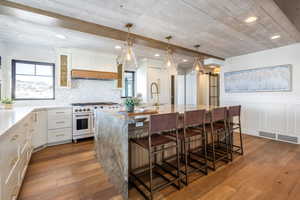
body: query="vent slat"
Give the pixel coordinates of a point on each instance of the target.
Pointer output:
(267, 135)
(287, 138)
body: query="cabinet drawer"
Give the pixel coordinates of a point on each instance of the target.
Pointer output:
(10, 154)
(59, 135)
(55, 123)
(59, 113)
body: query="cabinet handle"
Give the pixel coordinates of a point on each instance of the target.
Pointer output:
(60, 135)
(60, 112)
(62, 122)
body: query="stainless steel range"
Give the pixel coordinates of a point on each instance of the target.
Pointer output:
(84, 117)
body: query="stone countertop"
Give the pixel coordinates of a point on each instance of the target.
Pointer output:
(9, 118)
(113, 130)
(167, 108)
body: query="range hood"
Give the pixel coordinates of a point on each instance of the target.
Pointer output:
(96, 75)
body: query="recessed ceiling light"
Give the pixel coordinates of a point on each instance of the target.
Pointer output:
(274, 37)
(184, 60)
(118, 47)
(251, 19)
(60, 36)
(156, 55)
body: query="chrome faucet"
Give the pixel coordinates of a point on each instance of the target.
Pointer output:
(154, 89)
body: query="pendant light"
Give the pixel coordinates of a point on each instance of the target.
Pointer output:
(169, 60)
(198, 66)
(128, 58)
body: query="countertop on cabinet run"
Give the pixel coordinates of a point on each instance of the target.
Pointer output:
(9, 118)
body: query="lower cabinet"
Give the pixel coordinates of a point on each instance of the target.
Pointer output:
(39, 128)
(59, 135)
(59, 126)
(40, 135)
(15, 150)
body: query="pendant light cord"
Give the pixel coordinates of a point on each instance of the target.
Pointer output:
(128, 26)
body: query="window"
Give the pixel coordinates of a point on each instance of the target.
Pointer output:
(32, 80)
(129, 84)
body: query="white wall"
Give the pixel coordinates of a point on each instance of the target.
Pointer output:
(2, 54)
(81, 90)
(142, 79)
(275, 112)
(203, 89)
(191, 88)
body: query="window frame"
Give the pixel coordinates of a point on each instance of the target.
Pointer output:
(13, 83)
(133, 83)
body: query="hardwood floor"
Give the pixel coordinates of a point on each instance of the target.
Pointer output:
(268, 170)
(66, 172)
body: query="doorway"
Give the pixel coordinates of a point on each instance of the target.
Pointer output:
(214, 89)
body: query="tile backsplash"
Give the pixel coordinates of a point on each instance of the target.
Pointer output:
(82, 90)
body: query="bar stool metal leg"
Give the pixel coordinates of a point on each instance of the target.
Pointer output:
(150, 170)
(241, 138)
(178, 160)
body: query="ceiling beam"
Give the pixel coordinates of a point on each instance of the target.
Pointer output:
(48, 18)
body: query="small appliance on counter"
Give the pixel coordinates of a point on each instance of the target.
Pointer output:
(84, 117)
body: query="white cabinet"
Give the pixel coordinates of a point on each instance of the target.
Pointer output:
(59, 126)
(39, 128)
(59, 135)
(40, 135)
(15, 152)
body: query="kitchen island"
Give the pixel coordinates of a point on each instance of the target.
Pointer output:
(113, 131)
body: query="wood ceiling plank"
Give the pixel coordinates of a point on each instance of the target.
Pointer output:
(279, 18)
(57, 20)
(218, 25)
(232, 13)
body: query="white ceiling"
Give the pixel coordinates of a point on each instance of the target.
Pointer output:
(218, 25)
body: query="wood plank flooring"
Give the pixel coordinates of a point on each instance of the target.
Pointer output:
(66, 172)
(268, 170)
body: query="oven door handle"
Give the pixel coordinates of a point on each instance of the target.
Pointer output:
(82, 115)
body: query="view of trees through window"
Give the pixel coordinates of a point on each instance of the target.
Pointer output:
(32, 80)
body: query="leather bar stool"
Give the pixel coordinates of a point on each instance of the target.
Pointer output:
(156, 143)
(217, 150)
(193, 130)
(234, 123)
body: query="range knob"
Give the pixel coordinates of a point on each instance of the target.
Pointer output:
(80, 110)
(76, 110)
(88, 109)
(84, 110)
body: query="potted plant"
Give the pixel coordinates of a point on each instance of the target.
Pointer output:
(7, 102)
(131, 102)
